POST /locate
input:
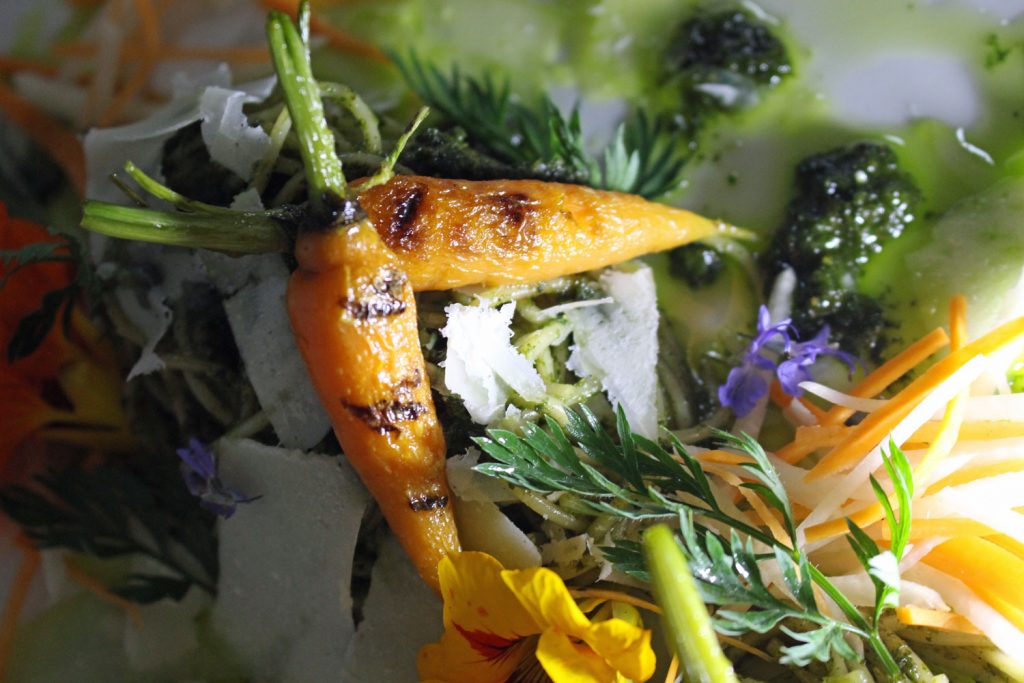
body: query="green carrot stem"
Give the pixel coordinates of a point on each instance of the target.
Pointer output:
(324, 178)
(685, 617)
(161, 191)
(235, 233)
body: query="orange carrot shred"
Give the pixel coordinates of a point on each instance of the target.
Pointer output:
(132, 53)
(953, 418)
(334, 35)
(150, 24)
(61, 144)
(869, 433)
(889, 372)
(617, 596)
(238, 55)
(16, 602)
(809, 439)
(931, 618)
(124, 97)
(673, 670)
(946, 437)
(784, 400)
(10, 63)
(93, 585)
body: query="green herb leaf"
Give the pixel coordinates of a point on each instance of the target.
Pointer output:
(628, 476)
(645, 157)
(34, 327)
(883, 566)
(13, 260)
(122, 509)
(145, 589)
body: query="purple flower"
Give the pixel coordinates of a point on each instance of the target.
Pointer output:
(747, 383)
(203, 482)
(797, 367)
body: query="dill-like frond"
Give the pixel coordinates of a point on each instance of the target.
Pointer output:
(646, 156)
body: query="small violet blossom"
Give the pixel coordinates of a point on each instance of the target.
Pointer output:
(747, 383)
(204, 483)
(802, 355)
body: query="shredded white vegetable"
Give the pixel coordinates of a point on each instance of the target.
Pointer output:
(963, 600)
(840, 486)
(864, 405)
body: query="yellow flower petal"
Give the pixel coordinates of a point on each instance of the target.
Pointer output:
(477, 600)
(456, 659)
(487, 634)
(544, 595)
(566, 661)
(627, 648)
(618, 644)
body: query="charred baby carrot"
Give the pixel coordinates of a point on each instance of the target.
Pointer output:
(452, 233)
(354, 317)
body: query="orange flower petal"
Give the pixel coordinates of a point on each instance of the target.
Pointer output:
(22, 412)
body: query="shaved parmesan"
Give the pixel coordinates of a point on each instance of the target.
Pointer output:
(204, 98)
(469, 485)
(483, 368)
(401, 615)
(484, 527)
(283, 601)
(153, 319)
(259, 321)
(232, 142)
(618, 344)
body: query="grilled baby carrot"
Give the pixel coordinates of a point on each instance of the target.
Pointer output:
(353, 314)
(452, 233)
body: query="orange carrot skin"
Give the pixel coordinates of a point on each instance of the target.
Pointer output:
(452, 233)
(354, 317)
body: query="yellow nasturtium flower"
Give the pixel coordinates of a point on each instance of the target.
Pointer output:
(500, 624)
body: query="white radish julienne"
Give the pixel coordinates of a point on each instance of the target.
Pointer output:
(864, 405)
(1008, 407)
(963, 600)
(840, 486)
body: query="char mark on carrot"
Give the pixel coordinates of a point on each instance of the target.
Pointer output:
(381, 298)
(402, 229)
(514, 208)
(384, 416)
(427, 503)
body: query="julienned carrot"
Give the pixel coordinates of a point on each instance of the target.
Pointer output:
(353, 314)
(452, 233)
(56, 139)
(335, 36)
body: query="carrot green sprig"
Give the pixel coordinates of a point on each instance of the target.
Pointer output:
(290, 50)
(631, 477)
(686, 619)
